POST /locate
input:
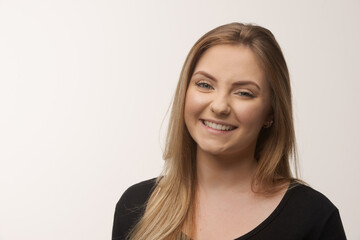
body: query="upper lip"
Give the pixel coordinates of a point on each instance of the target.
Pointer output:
(218, 122)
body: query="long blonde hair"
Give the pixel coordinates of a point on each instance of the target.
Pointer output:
(171, 204)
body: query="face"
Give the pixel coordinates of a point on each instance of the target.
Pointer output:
(227, 101)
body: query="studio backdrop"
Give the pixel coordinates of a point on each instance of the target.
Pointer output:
(85, 87)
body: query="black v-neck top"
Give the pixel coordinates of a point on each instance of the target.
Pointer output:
(303, 213)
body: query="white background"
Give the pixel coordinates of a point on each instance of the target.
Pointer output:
(85, 85)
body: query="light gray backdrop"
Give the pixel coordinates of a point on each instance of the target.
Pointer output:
(85, 85)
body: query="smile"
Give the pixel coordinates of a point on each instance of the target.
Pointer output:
(217, 126)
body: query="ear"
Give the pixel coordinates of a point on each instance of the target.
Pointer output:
(270, 117)
(268, 120)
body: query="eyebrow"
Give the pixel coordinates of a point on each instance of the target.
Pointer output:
(237, 83)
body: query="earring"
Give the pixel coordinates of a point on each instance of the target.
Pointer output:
(268, 124)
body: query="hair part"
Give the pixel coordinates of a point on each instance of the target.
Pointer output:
(170, 209)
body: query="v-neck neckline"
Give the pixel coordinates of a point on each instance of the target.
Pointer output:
(272, 215)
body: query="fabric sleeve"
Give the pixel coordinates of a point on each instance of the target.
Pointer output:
(124, 217)
(333, 228)
(130, 208)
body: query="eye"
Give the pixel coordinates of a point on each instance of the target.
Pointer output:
(204, 85)
(245, 94)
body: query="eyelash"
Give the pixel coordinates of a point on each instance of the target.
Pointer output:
(204, 85)
(208, 86)
(245, 94)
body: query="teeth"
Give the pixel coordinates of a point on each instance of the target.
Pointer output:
(218, 126)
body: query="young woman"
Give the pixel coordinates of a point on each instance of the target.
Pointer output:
(230, 139)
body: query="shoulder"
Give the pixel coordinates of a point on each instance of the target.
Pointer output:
(308, 198)
(312, 213)
(138, 193)
(303, 213)
(131, 206)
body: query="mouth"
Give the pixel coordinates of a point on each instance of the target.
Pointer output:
(217, 126)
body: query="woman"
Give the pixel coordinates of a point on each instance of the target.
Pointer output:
(230, 139)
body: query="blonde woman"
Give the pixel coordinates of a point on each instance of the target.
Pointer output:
(227, 157)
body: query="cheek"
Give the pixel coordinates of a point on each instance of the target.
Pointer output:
(194, 105)
(251, 114)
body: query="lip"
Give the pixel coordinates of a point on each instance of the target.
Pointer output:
(215, 130)
(217, 122)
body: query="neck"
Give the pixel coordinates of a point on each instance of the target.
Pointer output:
(224, 173)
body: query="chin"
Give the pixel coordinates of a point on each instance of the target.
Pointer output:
(213, 150)
(223, 150)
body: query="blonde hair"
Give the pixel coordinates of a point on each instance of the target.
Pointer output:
(171, 204)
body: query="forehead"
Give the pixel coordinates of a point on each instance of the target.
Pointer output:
(231, 63)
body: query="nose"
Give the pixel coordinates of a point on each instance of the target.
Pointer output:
(220, 106)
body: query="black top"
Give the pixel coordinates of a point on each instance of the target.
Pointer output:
(303, 213)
